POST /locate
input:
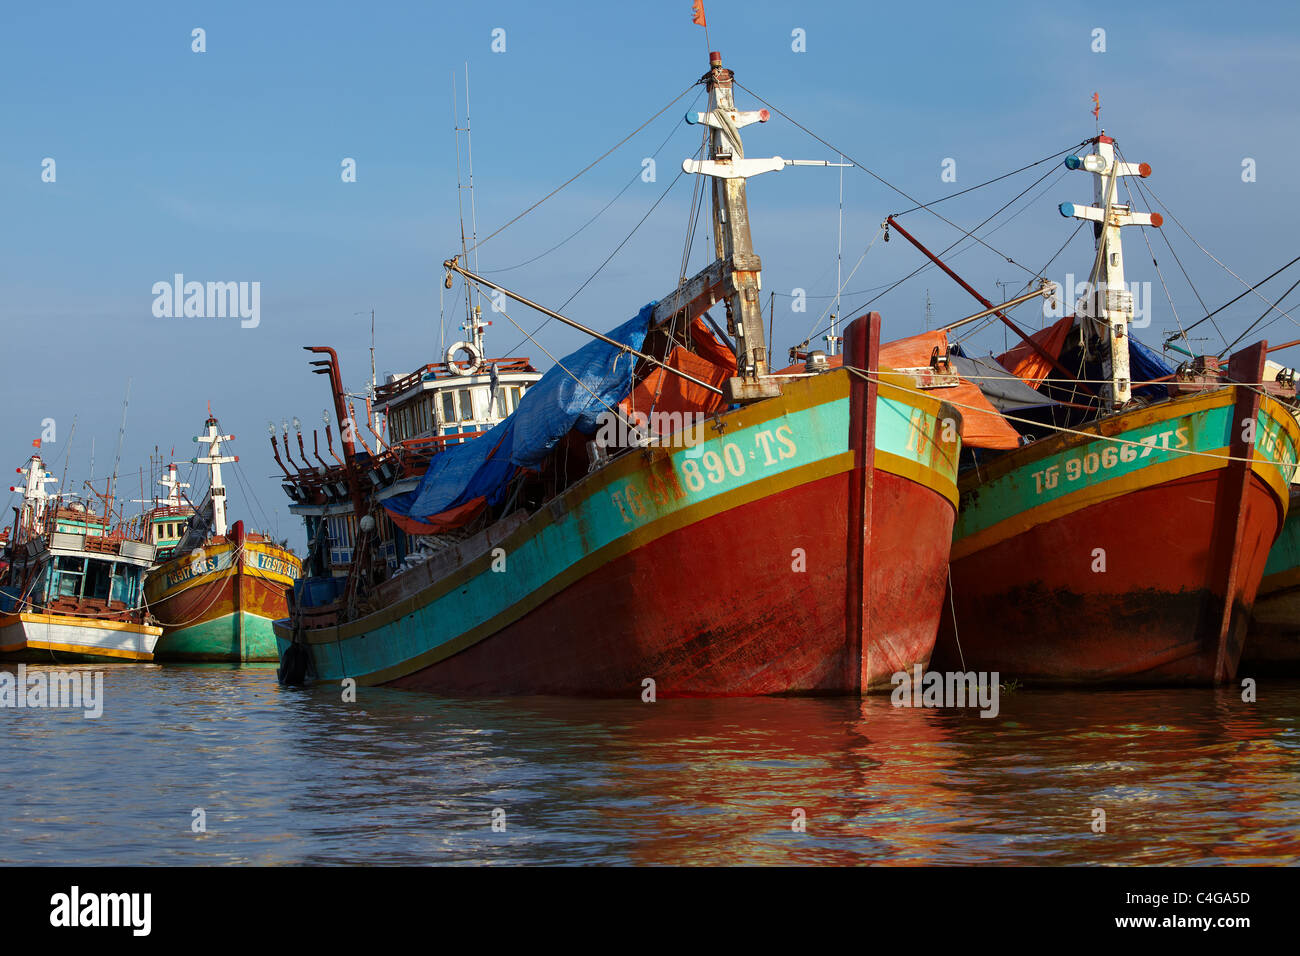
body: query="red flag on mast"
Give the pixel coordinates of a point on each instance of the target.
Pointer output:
(698, 9)
(36, 443)
(1096, 105)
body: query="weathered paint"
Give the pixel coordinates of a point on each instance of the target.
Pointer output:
(62, 637)
(1183, 538)
(219, 605)
(1273, 641)
(679, 565)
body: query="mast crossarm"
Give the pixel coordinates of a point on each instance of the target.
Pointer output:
(738, 118)
(712, 284)
(1120, 215)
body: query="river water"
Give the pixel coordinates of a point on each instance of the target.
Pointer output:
(217, 765)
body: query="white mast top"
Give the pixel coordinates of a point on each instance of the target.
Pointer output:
(214, 460)
(173, 486)
(34, 497)
(1108, 301)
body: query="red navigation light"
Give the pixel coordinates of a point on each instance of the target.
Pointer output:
(1157, 220)
(763, 116)
(1144, 170)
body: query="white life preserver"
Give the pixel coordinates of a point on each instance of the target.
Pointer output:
(475, 360)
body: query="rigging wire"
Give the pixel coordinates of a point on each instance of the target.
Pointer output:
(990, 182)
(882, 180)
(603, 209)
(1163, 284)
(1252, 325)
(608, 258)
(1096, 436)
(1249, 288)
(927, 265)
(837, 298)
(584, 169)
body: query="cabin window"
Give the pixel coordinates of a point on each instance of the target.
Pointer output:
(68, 575)
(126, 580)
(339, 529)
(99, 579)
(499, 406)
(466, 406)
(404, 421)
(448, 407)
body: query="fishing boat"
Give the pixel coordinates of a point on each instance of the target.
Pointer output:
(1273, 640)
(660, 514)
(1127, 546)
(73, 587)
(219, 587)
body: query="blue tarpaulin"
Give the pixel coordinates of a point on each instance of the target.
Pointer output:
(1145, 364)
(598, 375)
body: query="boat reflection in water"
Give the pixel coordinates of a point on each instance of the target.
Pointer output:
(299, 776)
(1190, 776)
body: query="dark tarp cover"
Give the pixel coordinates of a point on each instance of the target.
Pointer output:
(1145, 364)
(1005, 391)
(477, 471)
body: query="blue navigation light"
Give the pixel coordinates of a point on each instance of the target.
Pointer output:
(1067, 209)
(1073, 162)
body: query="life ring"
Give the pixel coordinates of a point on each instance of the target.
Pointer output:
(475, 360)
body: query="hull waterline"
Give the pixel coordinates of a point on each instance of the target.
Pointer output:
(65, 638)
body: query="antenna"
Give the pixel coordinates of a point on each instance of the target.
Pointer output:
(121, 434)
(929, 310)
(831, 337)
(67, 452)
(1003, 285)
(460, 186)
(373, 380)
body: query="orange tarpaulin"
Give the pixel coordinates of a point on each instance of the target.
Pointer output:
(662, 391)
(1028, 364)
(982, 425)
(447, 520)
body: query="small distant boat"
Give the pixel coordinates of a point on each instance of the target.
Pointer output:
(220, 587)
(73, 586)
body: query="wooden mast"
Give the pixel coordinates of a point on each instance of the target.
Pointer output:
(1107, 302)
(735, 275)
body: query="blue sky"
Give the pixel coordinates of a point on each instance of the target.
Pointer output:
(225, 166)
